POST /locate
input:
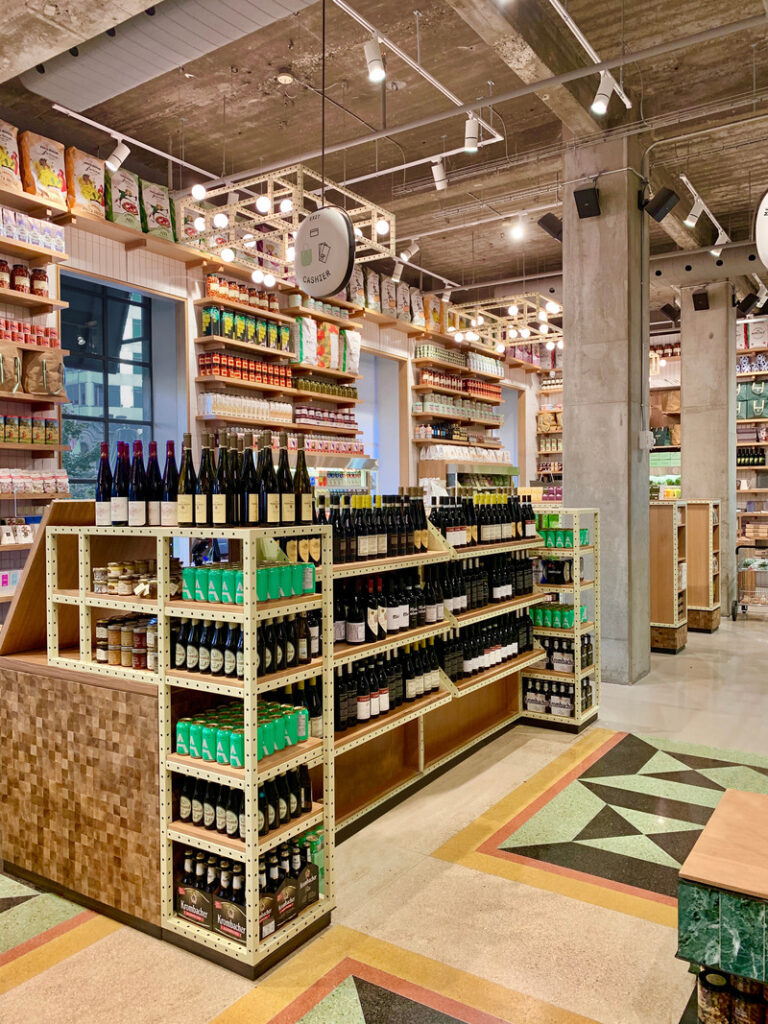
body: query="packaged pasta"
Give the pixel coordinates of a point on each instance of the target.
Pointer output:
(156, 212)
(372, 290)
(85, 182)
(42, 167)
(417, 308)
(10, 170)
(123, 198)
(403, 302)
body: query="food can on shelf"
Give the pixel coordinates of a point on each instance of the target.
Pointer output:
(102, 652)
(113, 654)
(51, 430)
(210, 737)
(25, 429)
(182, 735)
(195, 739)
(223, 743)
(239, 579)
(126, 656)
(714, 997)
(239, 326)
(188, 576)
(201, 583)
(228, 586)
(237, 748)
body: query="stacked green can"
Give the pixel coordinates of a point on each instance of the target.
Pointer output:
(557, 616)
(217, 736)
(223, 583)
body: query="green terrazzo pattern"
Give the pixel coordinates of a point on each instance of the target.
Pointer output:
(638, 847)
(342, 1006)
(24, 922)
(655, 824)
(560, 820)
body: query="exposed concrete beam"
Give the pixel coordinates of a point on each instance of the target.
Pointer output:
(35, 32)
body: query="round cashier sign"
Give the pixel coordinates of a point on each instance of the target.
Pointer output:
(325, 252)
(761, 230)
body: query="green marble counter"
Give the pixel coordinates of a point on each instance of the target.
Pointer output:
(716, 928)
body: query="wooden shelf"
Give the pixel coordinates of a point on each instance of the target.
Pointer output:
(34, 255)
(245, 385)
(7, 598)
(469, 683)
(752, 444)
(439, 390)
(489, 611)
(761, 419)
(16, 547)
(666, 448)
(131, 239)
(561, 588)
(205, 839)
(21, 396)
(213, 341)
(318, 396)
(567, 631)
(37, 206)
(343, 569)
(324, 371)
(666, 387)
(460, 444)
(500, 547)
(41, 451)
(316, 314)
(303, 428)
(32, 496)
(548, 433)
(751, 374)
(749, 351)
(548, 673)
(461, 371)
(267, 766)
(381, 319)
(521, 364)
(549, 391)
(344, 653)
(440, 416)
(39, 348)
(244, 307)
(29, 301)
(358, 734)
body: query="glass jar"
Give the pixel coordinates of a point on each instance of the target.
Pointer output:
(5, 275)
(20, 278)
(39, 283)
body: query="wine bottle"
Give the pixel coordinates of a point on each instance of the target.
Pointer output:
(119, 499)
(154, 487)
(234, 458)
(220, 487)
(269, 491)
(204, 488)
(104, 489)
(285, 484)
(186, 486)
(137, 489)
(249, 485)
(302, 487)
(168, 507)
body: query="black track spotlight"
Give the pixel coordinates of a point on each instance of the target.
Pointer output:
(587, 202)
(747, 304)
(659, 206)
(671, 312)
(552, 225)
(700, 299)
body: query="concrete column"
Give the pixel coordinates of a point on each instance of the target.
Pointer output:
(708, 420)
(605, 269)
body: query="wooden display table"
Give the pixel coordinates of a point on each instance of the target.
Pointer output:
(723, 889)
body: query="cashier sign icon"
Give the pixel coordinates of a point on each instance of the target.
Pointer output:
(323, 250)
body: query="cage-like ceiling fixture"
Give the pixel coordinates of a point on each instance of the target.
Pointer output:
(254, 228)
(530, 319)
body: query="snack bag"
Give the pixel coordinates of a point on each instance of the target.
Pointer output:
(85, 182)
(123, 198)
(350, 348)
(433, 318)
(156, 212)
(10, 172)
(185, 227)
(403, 302)
(417, 308)
(356, 287)
(42, 167)
(372, 290)
(388, 297)
(304, 340)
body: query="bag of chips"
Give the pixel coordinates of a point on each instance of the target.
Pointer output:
(42, 167)
(85, 182)
(156, 211)
(123, 198)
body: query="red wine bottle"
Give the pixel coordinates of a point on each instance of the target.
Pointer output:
(119, 499)
(168, 515)
(104, 489)
(154, 487)
(137, 489)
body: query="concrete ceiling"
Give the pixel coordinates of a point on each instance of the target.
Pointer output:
(233, 115)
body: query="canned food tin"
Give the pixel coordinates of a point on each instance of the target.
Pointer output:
(201, 583)
(223, 743)
(210, 736)
(237, 748)
(182, 736)
(195, 739)
(188, 574)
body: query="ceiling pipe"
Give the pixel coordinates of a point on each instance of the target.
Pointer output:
(658, 50)
(412, 163)
(484, 220)
(576, 31)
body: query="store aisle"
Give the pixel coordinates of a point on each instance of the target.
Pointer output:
(532, 882)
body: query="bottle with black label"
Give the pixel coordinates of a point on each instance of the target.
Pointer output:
(188, 876)
(104, 489)
(302, 487)
(209, 806)
(168, 502)
(221, 810)
(204, 488)
(263, 813)
(229, 668)
(270, 791)
(291, 642)
(204, 647)
(269, 490)
(185, 799)
(198, 797)
(249, 485)
(216, 649)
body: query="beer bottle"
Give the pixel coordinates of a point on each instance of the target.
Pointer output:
(233, 807)
(212, 876)
(188, 877)
(283, 800)
(230, 650)
(198, 797)
(291, 642)
(204, 647)
(305, 789)
(221, 810)
(285, 861)
(200, 871)
(241, 817)
(225, 888)
(294, 793)
(238, 886)
(263, 813)
(216, 649)
(209, 806)
(273, 877)
(185, 800)
(296, 860)
(270, 791)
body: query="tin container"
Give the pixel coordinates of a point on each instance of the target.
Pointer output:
(210, 738)
(195, 739)
(182, 736)
(228, 586)
(237, 748)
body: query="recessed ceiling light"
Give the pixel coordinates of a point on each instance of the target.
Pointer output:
(285, 76)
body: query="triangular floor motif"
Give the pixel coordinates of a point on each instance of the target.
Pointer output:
(662, 762)
(381, 1006)
(626, 758)
(561, 819)
(638, 847)
(607, 823)
(653, 824)
(697, 761)
(340, 1005)
(676, 844)
(652, 804)
(663, 789)
(688, 777)
(6, 902)
(738, 776)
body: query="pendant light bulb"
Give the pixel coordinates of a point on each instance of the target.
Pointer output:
(199, 192)
(542, 315)
(263, 204)
(513, 310)
(290, 254)
(117, 156)
(471, 134)
(517, 230)
(220, 220)
(269, 280)
(543, 328)
(480, 319)
(374, 60)
(358, 232)
(227, 254)
(550, 346)
(286, 205)
(552, 307)
(459, 336)
(473, 322)
(382, 226)
(525, 332)
(512, 332)
(199, 223)
(662, 361)
(560, 344)
(257, 276)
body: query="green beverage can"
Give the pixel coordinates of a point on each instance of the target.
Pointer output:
(262, 589)
(210, 738)
(195, 739)
(214, 585)
(559, 538)
(549, 538)
(201, 583)
(547, 617)
(228, 585)
(188, 574)
(584, 537)
(557, 617)
(223, 743)
(239, 584)
(182, 736)
(237, 748)
(568, 535)
(291, 724)
(278, 731)
(568, 618)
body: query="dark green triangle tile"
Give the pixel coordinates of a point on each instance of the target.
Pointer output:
(6, 902)
(626, 758)
(676, 844)
(649, 803)
(689, 778)
(382, 1006)
(607, 824)
(697, 761)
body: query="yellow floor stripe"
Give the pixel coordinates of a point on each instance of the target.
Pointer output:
(38, 960)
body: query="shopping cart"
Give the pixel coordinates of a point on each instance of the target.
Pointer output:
(752, 563)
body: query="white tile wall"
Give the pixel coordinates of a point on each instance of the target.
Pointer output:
(106, 258)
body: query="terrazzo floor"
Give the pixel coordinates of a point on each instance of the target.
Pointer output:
(437, 924)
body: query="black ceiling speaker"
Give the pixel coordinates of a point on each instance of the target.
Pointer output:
(659, 206)
(587, 202)
(552, 225)
(700, 299)
(670, 312)
(747, 304)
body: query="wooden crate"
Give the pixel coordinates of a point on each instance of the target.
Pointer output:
(702, 620)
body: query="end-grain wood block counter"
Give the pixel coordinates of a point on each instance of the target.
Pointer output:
(79, 778)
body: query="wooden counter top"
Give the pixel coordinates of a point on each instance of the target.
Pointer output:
(730, 852)
(36, 663)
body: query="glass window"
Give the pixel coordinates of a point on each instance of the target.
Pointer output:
(107, 374)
